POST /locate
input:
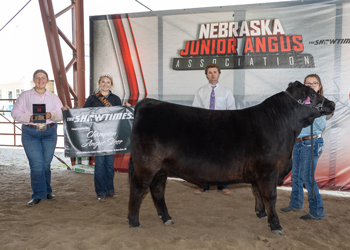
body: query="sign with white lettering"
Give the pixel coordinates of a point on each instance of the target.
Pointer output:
(265, 46)
(97, 131)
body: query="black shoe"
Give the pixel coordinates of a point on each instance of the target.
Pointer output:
(287, 209)
(34, 202)
(308, 217)
(51, 197)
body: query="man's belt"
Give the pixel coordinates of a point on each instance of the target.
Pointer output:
(307, 138)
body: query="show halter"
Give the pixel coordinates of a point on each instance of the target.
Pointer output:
(301, 102)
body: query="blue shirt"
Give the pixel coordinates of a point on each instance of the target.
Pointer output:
(319, 124)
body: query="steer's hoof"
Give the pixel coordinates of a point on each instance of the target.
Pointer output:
(261, 214)
(169, 222)
(278, 232)
(135, 227)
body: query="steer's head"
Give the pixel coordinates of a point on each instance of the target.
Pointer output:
(315, 104)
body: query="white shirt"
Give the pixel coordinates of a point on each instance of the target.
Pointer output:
(223, 97)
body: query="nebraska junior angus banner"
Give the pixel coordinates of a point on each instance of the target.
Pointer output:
(97, 131)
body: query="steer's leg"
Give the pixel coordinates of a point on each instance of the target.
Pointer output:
(138, 187)
(259, 203)
(157, 190)
(268, 192)
(137, 191)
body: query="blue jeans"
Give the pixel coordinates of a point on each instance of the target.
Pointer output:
(40, 147)
(103, 175)
(302, 174)
(220, 187)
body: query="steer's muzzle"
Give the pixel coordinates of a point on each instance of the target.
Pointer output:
(327, 107)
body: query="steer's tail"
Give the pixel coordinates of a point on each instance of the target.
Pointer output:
(131, 169)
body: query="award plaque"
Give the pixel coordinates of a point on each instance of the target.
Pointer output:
(39, 113)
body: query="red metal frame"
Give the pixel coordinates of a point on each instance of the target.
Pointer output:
(64, 90)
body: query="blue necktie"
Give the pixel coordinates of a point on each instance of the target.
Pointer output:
(212, 98)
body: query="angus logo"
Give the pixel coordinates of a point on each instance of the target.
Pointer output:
(233, 45)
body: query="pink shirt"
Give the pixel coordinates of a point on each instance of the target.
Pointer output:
(23, 108)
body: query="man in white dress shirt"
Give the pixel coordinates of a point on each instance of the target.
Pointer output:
(223, 100)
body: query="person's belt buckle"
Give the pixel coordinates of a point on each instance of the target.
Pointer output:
(41, 126)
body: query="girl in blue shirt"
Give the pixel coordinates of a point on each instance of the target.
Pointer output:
(302, 162)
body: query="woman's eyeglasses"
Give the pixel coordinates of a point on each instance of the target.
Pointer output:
(312, 84)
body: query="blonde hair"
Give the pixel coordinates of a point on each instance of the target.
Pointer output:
(103, 76)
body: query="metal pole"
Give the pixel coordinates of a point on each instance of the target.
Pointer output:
(51, 32)
(78, 41)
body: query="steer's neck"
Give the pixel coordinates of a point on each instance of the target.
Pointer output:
(285, 113)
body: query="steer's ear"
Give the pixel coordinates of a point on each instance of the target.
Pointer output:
(307, 101)
(293, 84)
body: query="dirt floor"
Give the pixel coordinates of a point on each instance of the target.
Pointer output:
(76, 220)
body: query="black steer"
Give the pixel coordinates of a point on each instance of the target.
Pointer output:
(213, 147)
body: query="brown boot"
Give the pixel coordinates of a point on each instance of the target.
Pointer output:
(199, 191)
(226, 191)
(101, 199)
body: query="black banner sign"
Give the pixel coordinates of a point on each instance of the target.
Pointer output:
(97, 131)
